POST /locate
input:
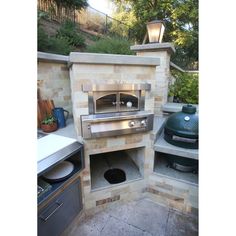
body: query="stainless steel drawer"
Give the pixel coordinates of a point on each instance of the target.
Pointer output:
(56, 216)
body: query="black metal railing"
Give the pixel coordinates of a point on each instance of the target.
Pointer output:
(88, 19)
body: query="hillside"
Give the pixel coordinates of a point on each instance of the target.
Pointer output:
(51, 27)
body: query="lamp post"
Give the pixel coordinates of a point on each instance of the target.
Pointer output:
(155, 30)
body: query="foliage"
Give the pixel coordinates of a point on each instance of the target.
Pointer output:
(127, 17)
(185, 88)
(42, 15)
(77, 4)
(181, 17)
(59, 45)
(69, 31)
(113, 45)
(48, 120)
(42, 40)
(53, 44)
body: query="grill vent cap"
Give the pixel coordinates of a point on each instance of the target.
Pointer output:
(189, 109)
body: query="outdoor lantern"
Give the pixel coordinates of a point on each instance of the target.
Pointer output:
(155, 30)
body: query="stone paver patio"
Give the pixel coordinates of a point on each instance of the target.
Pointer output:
(142, 217)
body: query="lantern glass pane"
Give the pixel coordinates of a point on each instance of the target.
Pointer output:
(155, 32)
(162, 33)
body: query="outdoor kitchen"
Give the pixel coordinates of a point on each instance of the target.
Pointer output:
(119, 113)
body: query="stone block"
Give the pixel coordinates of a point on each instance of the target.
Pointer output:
(96, 143)
(165, 195)
(86, 183)
(133, 138)
(107, 200)
(164, 186)
(120, 191)
(115, 141)
(93, 69)
(159, 98)
(67, 98)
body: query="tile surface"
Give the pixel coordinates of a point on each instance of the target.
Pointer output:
(137, 218)
(179, 224)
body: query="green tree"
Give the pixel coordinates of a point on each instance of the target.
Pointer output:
(185, 88)
(181, 17)
(126, 15)
(74, 4)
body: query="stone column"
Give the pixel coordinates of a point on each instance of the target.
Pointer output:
(162, 51)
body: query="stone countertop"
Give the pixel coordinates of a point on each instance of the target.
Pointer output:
(171, 107)
(162, 146)
(68, 131)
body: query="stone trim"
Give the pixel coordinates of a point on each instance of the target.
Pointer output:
(49, 57)
(114, 59)
(107, 200)
(165, 195)
(154, 47)
(171, 107)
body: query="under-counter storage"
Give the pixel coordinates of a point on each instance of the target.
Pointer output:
(60, 211)
(176, 167)
(59, 190)
(46, 188)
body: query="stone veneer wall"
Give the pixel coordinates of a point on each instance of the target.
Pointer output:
(162, 51)
(97, 68)
(54, 83)
(175, 194)
(53, 80)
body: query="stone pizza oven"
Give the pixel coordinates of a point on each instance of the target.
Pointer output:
(131, 151)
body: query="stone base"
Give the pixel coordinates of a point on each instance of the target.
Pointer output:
(173, 193)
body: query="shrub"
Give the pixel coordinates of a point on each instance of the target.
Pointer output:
(185, 88)
(69, 31)
(59, 45)
(42, 40)
(111, 45)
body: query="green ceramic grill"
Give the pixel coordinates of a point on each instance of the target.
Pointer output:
(181, 128)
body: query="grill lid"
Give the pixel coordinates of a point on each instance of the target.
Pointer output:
(184, 123)
(181, 128)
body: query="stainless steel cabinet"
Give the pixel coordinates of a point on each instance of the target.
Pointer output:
(60, 211)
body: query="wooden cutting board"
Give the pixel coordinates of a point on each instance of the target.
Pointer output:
(44, 108)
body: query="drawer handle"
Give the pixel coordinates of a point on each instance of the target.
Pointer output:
(52, 213)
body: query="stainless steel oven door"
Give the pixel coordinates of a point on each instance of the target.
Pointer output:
(106, 102)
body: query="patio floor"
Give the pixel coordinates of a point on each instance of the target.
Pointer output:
(142, 217)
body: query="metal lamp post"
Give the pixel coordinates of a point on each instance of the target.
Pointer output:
(155, 30)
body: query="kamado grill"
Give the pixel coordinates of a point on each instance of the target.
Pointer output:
(181, 128)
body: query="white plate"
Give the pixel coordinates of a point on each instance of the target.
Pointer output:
(60, 171)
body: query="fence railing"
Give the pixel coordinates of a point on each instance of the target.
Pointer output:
(54, 12)
(88, 19)
(182, 70)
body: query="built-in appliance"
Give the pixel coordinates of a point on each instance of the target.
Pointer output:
(116, 109)
(106, 98)
(53, 149)
(182, 163)
(181, 128)
(60, 161)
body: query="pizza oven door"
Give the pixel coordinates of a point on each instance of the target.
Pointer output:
(106, 102)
